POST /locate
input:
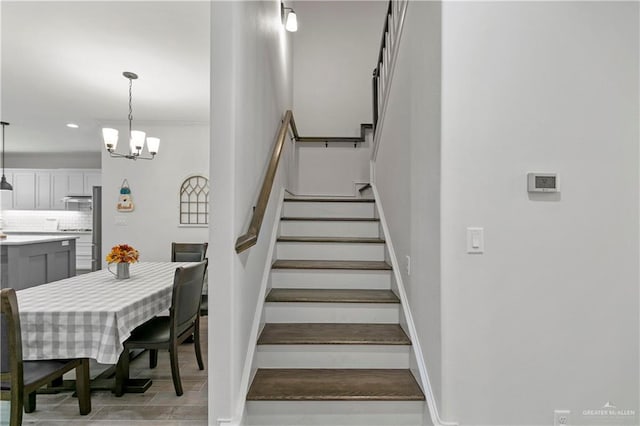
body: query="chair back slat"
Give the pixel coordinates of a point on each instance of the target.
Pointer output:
(11, 338)
(188, 252)
(4, 345)
(187, 291)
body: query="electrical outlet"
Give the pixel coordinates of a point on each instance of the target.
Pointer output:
(561, 417)
(408, 260)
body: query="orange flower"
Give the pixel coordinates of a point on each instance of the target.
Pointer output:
(123, 253)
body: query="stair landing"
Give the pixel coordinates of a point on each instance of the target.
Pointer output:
(313, 384)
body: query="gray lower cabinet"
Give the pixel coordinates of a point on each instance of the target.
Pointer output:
(29, 264)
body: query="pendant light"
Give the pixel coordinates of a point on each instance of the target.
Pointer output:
(4, 185)
(290, 18)
(136, 137)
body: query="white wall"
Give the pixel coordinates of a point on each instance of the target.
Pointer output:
(251, 86)
(408, 174)
(547, 317)
(335, 51)
(155, 185)
(332, 170)
(52, 160)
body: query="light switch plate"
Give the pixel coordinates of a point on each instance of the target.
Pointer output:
(475, 240)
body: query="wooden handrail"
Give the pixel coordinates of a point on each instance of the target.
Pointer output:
(250, 238)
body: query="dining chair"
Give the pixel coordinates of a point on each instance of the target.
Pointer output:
(163, 332)
(191, 252)
(20, 378)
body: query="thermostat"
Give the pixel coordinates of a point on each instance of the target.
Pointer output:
(542, 182)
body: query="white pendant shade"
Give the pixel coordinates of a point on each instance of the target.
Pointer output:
(153, 144)
(137, 140)
(292, 22)
(110, 137)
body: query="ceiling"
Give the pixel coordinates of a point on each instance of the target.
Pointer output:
(62, 62)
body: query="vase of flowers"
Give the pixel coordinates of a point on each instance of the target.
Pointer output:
(122, 255)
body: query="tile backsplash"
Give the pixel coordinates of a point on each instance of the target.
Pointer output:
(34, 220)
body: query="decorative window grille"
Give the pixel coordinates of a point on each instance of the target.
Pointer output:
(194, 201)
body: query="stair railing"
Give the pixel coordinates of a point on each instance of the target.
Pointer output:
(250, 238)
(388, 52)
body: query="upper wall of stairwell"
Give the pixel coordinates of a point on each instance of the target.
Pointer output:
(334, 54)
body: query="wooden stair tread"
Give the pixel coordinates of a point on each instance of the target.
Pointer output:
(332, 219)
(329, 200)
(334, 385)
(331, 264)
(331, 295)
(332, 334)
(371, 240)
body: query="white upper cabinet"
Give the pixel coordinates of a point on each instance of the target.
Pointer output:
(46, 189)
(24, 190)
(76, 183)
(59, 189)
(91, 179)
(43, 190)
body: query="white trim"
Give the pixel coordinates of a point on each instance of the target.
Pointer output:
(392, 67)
(255, 328)
(413, 335)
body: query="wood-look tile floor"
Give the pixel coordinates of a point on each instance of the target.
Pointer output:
(158, 406)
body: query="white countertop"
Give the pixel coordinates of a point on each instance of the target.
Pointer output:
(18, 240)
(41, 232)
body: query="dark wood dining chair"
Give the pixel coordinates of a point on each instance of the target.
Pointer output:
(191, 252)
(20, 378)
(163, 332)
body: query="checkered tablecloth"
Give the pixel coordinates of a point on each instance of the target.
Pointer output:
(91, 315)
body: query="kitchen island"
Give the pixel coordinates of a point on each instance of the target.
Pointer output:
(31, 260)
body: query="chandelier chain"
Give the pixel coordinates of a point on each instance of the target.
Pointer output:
(130, 107)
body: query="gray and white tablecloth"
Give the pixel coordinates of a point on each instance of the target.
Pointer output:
(91, 315)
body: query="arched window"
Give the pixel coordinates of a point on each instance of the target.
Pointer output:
(194, 201)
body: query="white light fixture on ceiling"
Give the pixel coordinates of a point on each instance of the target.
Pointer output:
(4, 185)
(136, 137)
(72, 125)
(290, 18)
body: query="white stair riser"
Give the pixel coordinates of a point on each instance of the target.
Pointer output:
(312, 228)
(334, 413)
(330, 251)
(388, 313)
(333, 356)
(325, 209)
(349, 279)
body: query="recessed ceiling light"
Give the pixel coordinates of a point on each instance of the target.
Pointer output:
(72, 125)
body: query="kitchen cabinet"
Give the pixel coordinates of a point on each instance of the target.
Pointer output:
(91, 179)
(45, 189)
(76, 183)
(83, 252)
(24, 190)
(27, 261)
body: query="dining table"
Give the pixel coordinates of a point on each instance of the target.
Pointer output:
(91, 315)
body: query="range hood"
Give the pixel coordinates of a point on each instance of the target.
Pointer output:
(77, 202)
(77, 199)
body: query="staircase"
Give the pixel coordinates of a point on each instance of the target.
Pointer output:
(332, 350)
